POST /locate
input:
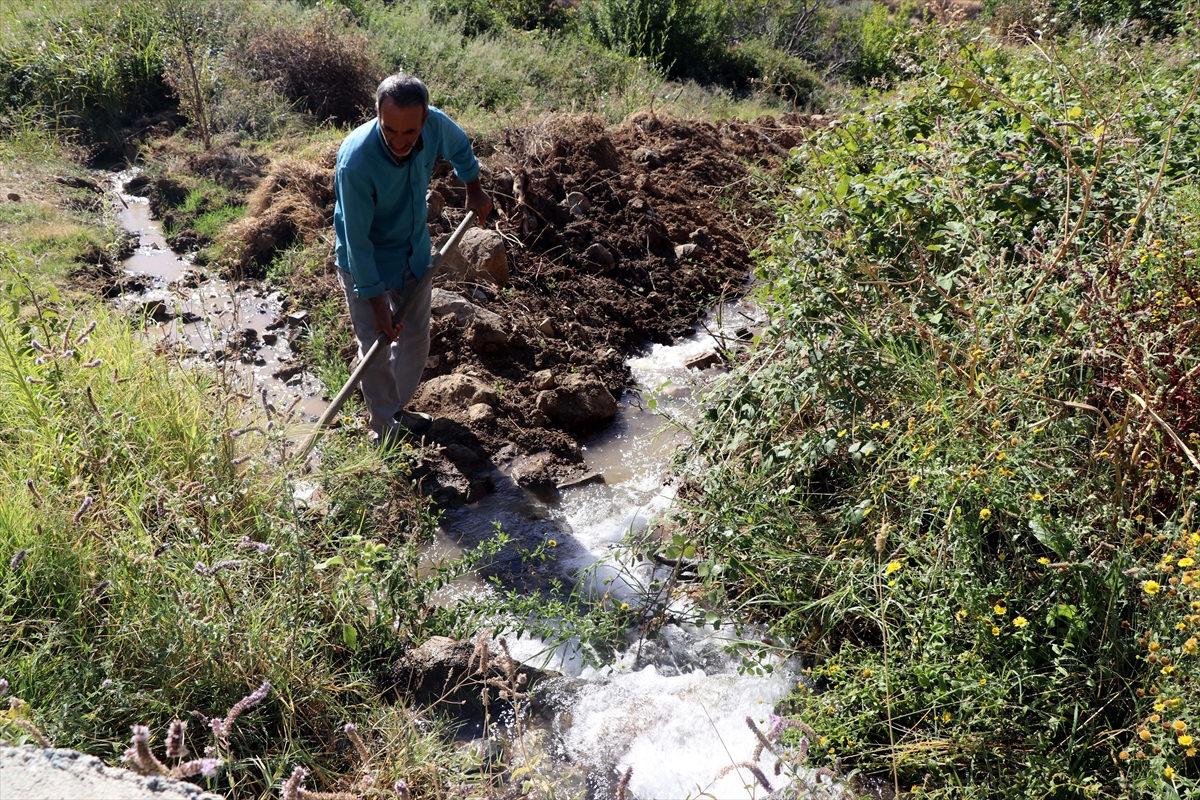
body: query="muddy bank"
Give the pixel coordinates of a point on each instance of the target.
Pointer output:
(606, 239)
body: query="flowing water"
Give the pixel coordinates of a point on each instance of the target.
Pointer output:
(675, 715)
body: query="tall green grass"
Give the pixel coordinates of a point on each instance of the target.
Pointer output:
(125, 480)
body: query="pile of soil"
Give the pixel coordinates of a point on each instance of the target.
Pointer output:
(617, 238)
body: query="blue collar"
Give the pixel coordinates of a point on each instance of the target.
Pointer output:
(399, 162)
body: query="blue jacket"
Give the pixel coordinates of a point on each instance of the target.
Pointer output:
(379, 214)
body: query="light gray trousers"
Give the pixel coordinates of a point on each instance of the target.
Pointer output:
(392, 379)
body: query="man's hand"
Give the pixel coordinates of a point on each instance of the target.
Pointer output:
(478, 201)
(383, 317)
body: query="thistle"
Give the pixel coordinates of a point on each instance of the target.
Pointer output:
(83, 508)
(17, 560)
(176, 745)
(221, 728)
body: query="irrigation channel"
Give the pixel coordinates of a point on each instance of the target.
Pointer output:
(664, 720)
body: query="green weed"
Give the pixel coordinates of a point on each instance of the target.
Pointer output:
(959, 470)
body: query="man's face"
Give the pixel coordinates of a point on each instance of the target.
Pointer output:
(401, 126)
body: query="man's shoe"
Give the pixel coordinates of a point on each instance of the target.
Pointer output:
(414, 421)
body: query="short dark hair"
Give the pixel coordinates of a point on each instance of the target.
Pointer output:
(402, 89)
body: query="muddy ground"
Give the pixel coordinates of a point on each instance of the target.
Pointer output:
(614, 238)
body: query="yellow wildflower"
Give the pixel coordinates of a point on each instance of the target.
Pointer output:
(893, 566)
(1185, 740)
(947, 716)
(1191, 645)
(1037, 497)
(1144, 734)
(1186, 561)
(1179, 726)
(552, 543)
(1020, 622)
(1168, 773)
(995, 631)
(1000, 609)
(961, 615)
(984, 513)
(1045, 562)
(1151, 587)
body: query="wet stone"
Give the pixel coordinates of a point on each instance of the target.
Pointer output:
(705, 361)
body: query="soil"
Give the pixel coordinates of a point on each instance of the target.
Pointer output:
(616, 237)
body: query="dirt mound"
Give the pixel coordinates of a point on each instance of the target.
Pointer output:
(294, 202)
(618, 237)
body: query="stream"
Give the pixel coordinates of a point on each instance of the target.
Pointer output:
(667, 719)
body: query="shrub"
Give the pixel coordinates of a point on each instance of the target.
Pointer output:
(959, 471)
(790, 77)
(320, 65)
(677, 35)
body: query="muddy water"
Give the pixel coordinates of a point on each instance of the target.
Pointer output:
(671, 713)
(247, 333)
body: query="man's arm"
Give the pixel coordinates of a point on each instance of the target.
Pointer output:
(456, 147)
(354, 194)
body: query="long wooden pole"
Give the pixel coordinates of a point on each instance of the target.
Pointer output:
(378, 347)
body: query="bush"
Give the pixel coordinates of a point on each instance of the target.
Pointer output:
(320, 65)
(790, 77)
(959, 471)
(680, 36)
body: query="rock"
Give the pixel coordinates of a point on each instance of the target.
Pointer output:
(297, 317)
(35, 773)
(480, 414)
(448, 671)
(16, 198)
(455, 389)
(534, 472)
(269, 339)
(485, 329)
(78, 183)
(435, 204)
(599, 254)
(547, 327)
(484, 257)
(586, 479)
(645, 155)
(155, 310)
(190, 317)
(287, 373)
(685, 250)
(580, 401)
(544, 379)
(704, 361)
(577, 203)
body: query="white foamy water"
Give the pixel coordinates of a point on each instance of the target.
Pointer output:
(682, 735)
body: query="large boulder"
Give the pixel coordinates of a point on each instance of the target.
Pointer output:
(481, 256)
(484, 329)
(455, 389)
(578, 402)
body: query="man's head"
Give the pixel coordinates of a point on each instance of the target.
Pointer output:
(402, 103)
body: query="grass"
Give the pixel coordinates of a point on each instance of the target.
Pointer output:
(118, 482)
(959, 470)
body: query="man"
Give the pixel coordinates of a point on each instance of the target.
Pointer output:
(383, 249)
